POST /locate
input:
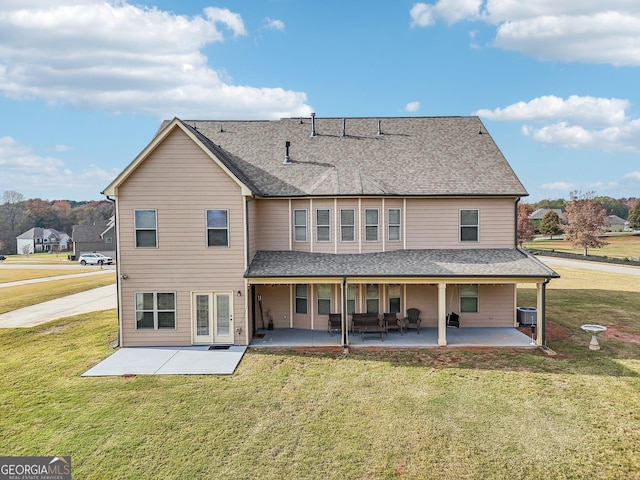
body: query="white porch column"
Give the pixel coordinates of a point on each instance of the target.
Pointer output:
(442, 314)
(540, 313)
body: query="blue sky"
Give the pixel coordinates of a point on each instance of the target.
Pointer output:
(84, 84)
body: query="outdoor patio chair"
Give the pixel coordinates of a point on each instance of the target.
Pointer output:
(335, 322)
(453, 320)
(412, 320)
(392, 322)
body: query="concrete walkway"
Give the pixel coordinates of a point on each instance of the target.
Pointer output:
(103, 298)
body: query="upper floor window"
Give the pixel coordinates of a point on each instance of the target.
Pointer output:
(323, 225)
(217, 228)
(469, 225)
(371, 224)
(146, 226)
(324, 299)
(394, 225)
(348, 225)
(469, 298)
(301, 298)
(300, 225)
(155, 310)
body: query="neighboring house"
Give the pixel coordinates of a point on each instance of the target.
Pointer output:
(98, 236)
(218, 221)
(539, 214)
(38, 239)
(617, 224)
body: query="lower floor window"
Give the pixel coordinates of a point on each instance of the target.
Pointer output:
(301, 299)
(469, 298)
(155, 310)
(394, 299)
(324, 299)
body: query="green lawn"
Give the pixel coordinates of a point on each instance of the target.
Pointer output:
(619, 246)
(433, 413)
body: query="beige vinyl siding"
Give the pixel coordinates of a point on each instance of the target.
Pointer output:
(434, 223)
(425, 299)
(182, 262)
(495, 306)
(275, 302)
(270, 226)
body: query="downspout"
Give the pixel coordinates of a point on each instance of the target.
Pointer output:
(345, 346)
(115, 228)
(515, 231)
(246, 266)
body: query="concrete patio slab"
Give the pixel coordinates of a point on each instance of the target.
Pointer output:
(193, 360)
(427, 338)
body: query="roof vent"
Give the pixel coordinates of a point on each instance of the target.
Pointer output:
(379, 128)
(313, 125)
(344, 128)
(287, 158)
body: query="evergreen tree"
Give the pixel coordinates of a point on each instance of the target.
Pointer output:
(634, 216)
(551, 224)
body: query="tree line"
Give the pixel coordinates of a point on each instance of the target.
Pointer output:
(586, 216)
(18, 215)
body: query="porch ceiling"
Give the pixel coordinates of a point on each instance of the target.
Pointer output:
(488, 264)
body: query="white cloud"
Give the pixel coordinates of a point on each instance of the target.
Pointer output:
(588, 31)
(563, 186)
(412, 107)
(633, 175)
(274, 24)
(587, 109)
(119, 57)
(576, 122)
(424, 15)
(20, 165)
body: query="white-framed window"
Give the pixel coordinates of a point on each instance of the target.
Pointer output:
(300, 225)
(146, 226)
(393, 225)
(469, 225)
(324, 299)
(468, 298)
(217, 228)
(371, 224)
(393, 300)
(348, 225)
(323, 225)
(352, 297)
(155, 310)
(302, 297)
(373, 298)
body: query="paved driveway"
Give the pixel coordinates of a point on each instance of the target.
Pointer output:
(595, 266)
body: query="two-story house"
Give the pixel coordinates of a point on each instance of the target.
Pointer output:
(218, 221)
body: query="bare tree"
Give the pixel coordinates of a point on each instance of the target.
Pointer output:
(526, 231)
(586, 221)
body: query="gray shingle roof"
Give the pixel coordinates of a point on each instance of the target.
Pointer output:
(414, 156)
(89, 233)
(400, 263)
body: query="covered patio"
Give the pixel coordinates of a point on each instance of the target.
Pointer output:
(427, 338)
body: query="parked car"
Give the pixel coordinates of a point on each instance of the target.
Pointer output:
(2, 258)
(94, 259)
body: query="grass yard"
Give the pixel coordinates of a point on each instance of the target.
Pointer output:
(16, 274)
(433, 413)
(40, 258)
(619, 246)
(12, 298)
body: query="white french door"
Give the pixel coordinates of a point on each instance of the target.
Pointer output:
(212, 318)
